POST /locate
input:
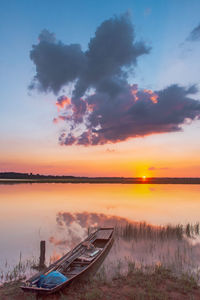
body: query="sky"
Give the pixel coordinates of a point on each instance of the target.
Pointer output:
(100, 88)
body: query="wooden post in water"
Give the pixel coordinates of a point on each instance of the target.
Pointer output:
(42, 254)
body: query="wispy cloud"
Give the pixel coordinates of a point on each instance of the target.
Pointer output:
(194, 34)
(157, 168)
(147, 11)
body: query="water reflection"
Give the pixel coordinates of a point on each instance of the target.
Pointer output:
(138, 242)
(75, 226)
(62, 213)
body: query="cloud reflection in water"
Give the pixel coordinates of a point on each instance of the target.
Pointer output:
(138, 242)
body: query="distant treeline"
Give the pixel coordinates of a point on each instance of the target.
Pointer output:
(13, 177)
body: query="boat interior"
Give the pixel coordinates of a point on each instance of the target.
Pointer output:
(91, 251)
(81, 257)
(80, 263)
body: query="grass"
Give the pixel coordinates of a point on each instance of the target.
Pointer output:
(142, 230)
(175, 247)
(158, 283)
(18, 272)
(93, 294)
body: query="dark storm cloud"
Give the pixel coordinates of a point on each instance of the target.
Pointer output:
(56, 63)
(194, 34)
(111, 49)
(46, 36)
(133, 113)
(104, 107)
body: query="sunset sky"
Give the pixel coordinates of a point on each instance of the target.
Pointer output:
(100, 88)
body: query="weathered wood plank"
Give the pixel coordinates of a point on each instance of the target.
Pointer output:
(104, 234)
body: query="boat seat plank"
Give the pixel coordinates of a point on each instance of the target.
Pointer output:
(103, 234)
(81, 263)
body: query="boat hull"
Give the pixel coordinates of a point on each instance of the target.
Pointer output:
(84, 275)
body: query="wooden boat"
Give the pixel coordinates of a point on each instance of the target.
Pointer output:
(81, 262)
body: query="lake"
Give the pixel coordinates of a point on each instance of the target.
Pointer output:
(61, 213)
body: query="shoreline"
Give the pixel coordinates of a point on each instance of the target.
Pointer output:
(102, 180)
(158, 284)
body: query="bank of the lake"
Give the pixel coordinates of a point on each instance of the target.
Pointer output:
(159, 284)
(103, 180)
(13, 177)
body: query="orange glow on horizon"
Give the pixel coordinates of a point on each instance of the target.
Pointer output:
(50, 165)
(153, 156)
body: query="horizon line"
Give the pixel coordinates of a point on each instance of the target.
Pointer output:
(79, 176)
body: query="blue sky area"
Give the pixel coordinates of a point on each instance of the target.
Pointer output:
(164, 25)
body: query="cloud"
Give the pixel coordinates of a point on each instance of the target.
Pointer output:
(62, 102)
(58, 119)
(104, 107)
(147, 11)
(155, 168)
(194, 34)
(109, 53)
(75, 227)
(85, 220)
(111, 49)
(133, 113)
(56, 63)
(110, 150)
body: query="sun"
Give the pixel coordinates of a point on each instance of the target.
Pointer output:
(144, 177)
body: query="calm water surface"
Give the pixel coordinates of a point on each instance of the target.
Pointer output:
(61, 213)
